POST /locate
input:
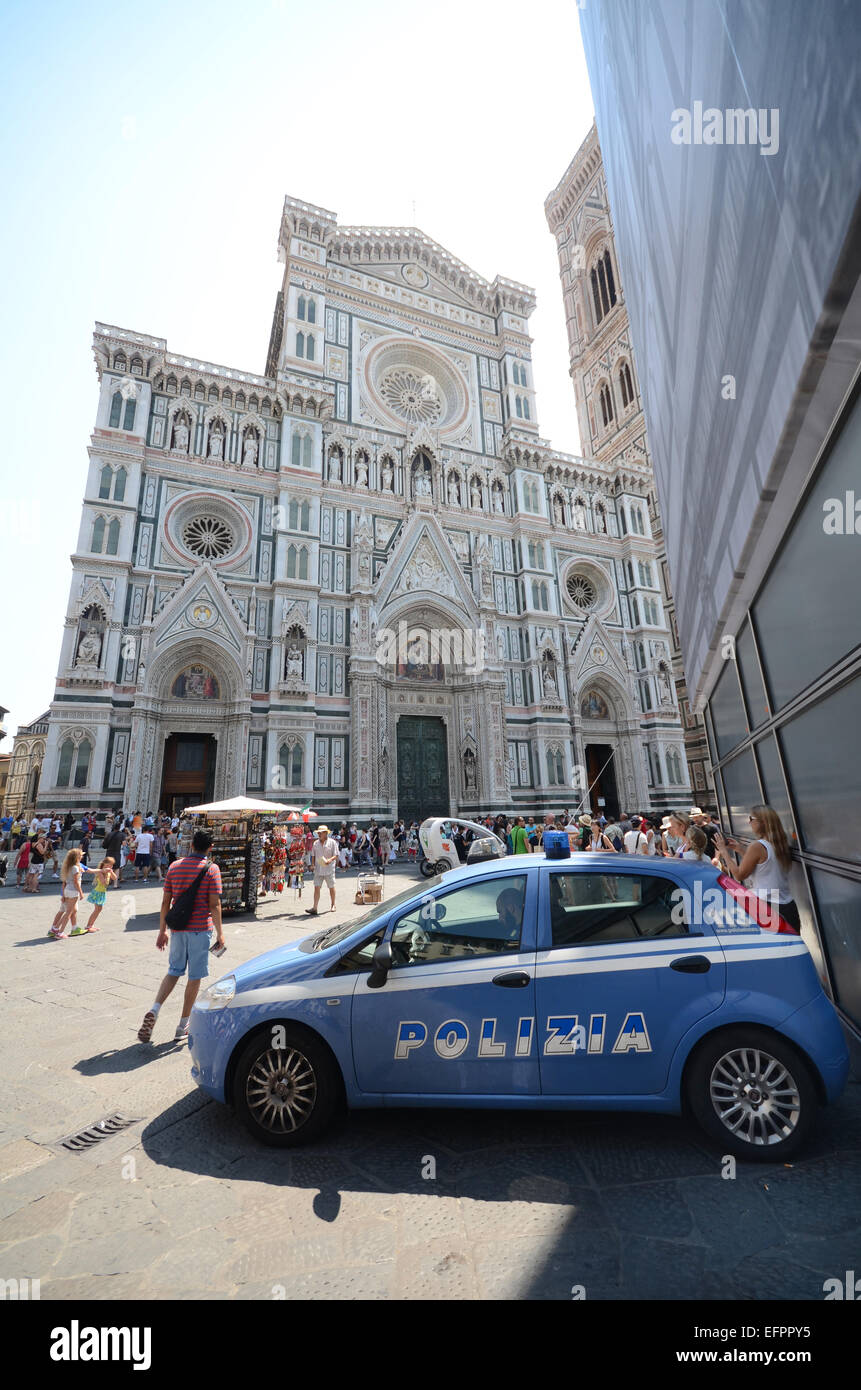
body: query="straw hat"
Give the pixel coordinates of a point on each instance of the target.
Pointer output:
(322, 829)
(586, 820)
(695, 811)
(665, 823)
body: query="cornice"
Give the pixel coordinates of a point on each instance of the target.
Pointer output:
(582, 169)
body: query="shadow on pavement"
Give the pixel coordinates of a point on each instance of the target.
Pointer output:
(130, 1058)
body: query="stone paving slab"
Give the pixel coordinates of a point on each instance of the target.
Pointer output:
(185, 1204)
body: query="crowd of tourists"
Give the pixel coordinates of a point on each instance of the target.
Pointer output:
(142, 843)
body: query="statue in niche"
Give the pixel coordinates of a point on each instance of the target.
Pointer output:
(216, 444)
(559, 511)
(601, 520)
(361, 471)
(141, 673)
(664, 686)
(453, 490)
(580, 516)
(89, 649)
(423, 484)
(249, 452)
(498, 505)
(180, 436)
(548, 682)
(469, 770)
(475, 493)
(388, 475)
(334, 468)
(294, 662)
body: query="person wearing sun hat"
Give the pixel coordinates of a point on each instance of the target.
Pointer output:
(323, 857)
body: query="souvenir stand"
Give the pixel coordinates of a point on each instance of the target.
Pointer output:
(237, 830)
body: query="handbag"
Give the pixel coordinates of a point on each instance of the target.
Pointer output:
(178, 916)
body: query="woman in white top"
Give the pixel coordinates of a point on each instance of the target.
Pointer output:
(696, 844)
(674, 828)
(765, 863)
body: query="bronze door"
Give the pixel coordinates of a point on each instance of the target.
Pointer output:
(422, 768)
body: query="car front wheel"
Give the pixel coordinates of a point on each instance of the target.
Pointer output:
(286, 1087)
(752, 1093)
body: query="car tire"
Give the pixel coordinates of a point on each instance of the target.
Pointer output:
(289, 1094)
(753, 1093)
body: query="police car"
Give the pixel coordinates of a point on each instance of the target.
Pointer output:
(595, 982)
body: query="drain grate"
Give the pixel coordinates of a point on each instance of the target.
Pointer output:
(102, 1129)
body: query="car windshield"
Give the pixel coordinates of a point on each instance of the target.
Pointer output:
(345, 929)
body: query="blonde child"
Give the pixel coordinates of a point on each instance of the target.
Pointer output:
(71, 874)
(102, 877)
(697, 843)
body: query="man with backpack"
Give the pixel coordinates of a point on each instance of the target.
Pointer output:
(190, 909)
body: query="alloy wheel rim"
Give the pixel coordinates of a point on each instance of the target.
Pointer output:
(281, 1090)
(755, 1096)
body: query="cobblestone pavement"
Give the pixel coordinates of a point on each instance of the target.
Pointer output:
(184, 1204)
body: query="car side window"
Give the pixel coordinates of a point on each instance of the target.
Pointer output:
(360, 958)
(587, 908)
(478, 919)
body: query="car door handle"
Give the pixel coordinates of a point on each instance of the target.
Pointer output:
(692, 965)
(515, 979)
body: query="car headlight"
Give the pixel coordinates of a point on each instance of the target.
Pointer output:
(219, 995)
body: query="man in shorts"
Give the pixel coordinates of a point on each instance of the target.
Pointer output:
(323, 856)
(189, 947)
(143, 851)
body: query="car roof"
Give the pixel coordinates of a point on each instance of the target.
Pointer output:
(586, 861)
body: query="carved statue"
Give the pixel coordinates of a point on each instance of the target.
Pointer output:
(89, 649)
(249, 453)
(474, 494)
(548, 681)
(141, 673)
(294, 662)
(469, 770)
(216, 444)
(664, 686)
(423, 484)
(388, 475)
(453, 490)
(334, 468)
(361, 472)
(180, 435)
(580, 516)
(498, 505)
(601, 518)
(559, 511)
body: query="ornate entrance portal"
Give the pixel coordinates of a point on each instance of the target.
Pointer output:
(422, 768)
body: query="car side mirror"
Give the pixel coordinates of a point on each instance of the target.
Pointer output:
(384, 959)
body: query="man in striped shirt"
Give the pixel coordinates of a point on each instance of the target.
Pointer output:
(189, 946)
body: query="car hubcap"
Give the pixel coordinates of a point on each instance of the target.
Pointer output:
(281, 1090)
(755, 1096)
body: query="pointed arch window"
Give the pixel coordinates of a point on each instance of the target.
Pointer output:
(291, 562)
(113, 538)
(307, 452)
(305, 517)
(606, 400)
(309, 347)
(116, 410)
(293, 516)
(98, 541)
(303, 562)
(120, 485)
(129, 413)
(291, 759)
(300, 307)
(312, 311)
(300, 344)
(105, 479)
(603, 284)
(525, 408)
(626, 386)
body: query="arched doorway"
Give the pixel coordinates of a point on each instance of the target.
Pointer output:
(422, 768)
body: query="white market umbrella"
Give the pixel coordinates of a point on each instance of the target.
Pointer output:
(239, 805)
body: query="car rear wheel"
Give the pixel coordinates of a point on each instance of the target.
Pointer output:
(753, 1093)
(286, 1089)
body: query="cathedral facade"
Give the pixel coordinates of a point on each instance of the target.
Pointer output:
(362, 579)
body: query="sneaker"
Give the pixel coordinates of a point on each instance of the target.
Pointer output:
(311, 911)
(145, 1030)
(182, 1029)
(78, 931)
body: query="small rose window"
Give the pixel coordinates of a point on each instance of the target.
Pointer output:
(581, 590)
(207, 537)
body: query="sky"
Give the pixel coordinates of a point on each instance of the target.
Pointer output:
(146, 154)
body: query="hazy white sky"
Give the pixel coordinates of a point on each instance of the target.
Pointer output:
(147, 150)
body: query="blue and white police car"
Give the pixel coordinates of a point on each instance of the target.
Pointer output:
(594, 982)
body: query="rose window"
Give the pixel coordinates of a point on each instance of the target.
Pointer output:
(581, 591)
(208, 537)
(413, 396)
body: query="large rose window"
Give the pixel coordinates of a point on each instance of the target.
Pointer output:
(207, 537)
(412, 395)
(581, 590)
